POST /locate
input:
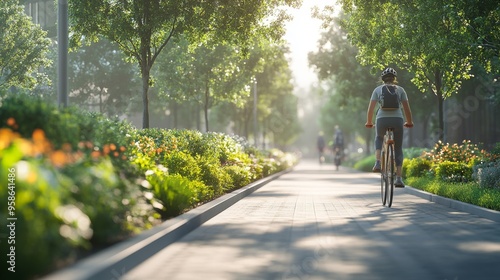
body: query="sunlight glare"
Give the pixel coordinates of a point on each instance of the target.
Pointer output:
(302, 34)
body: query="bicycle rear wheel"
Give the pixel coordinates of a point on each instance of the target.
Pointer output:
(390, 174)
(383, 180)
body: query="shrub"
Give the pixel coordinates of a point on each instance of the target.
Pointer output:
(454, 171)
(466, 152)
(39, 192)
(106, 198)
(269, 166)
(365, 164)
(226, 149)
(240, 175)
(178, 162)
(86, 180)
(416, 167)
(488, 174)
(213, 175)
(176, 193)
(25, 114)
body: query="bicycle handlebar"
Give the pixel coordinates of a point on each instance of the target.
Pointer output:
(407, 125)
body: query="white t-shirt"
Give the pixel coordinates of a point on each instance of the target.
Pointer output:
(377, 96)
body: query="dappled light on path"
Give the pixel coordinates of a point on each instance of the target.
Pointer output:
(318, 223)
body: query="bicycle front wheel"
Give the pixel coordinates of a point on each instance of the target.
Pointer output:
(383, 181)
(390, 175)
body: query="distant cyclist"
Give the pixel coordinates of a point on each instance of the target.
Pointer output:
(338, 146)
(389, 96)
(320, 143)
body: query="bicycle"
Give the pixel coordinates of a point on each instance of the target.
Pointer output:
(337, 157)
(321, 157)
(388, 164)
(388, 168)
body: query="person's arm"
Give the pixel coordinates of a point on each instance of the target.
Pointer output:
(369, 113)
(407, 111)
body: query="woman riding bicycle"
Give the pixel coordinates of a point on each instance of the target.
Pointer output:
(389, 96)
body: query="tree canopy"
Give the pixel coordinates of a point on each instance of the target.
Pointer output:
(142, 28)
(426, 37)
(100, 78)
(23, 47)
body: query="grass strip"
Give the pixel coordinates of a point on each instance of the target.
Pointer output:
(465, 192)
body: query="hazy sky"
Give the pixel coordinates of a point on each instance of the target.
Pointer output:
(303, 33)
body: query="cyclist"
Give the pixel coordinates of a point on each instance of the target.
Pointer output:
(320, 143)
(338, 146)
(389, 117)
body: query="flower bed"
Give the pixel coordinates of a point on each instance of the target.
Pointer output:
(80, 181)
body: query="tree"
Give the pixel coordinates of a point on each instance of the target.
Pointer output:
(418, 36)
(208, 74)
(142, 28)
(23, 47)
(480, 18)
(100, 77)
(276, 104)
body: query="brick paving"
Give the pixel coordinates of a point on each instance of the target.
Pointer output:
(318, 223)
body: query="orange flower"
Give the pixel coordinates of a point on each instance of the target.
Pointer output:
(122, 149)
(112, 147)
(11, 121)
(40, 143)
(105, 149)
(58, 158)
(95, 154)
(6, 137)
(38, 135)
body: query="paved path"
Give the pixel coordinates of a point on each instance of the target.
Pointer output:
(317, 223)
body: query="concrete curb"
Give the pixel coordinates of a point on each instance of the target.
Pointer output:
(458, 205)
(117, 260)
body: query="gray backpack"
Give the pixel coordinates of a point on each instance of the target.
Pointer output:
(389, 98)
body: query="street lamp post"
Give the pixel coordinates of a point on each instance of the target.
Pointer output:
(255, 112)
(62, 49)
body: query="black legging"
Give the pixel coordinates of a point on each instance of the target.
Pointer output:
(397, 124)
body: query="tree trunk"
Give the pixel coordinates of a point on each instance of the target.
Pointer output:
(174, 113)
(425, 131)
(264, 134)
(100, 102)
(197, 111)
(205, 109)
(438, 80)
(145, 99)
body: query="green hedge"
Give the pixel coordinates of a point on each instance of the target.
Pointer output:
(84, 181)
(416, 167)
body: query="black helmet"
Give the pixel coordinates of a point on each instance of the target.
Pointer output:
(389, 71)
